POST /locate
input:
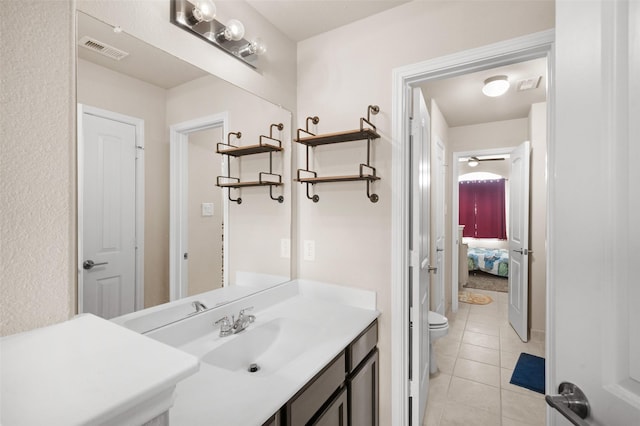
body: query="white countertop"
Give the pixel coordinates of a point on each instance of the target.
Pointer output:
(84, 371)
(218, 396)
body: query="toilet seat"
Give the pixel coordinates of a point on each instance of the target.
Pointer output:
(437, 321)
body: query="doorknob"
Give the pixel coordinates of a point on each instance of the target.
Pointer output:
(571, 403)
(88, 264)
(433, 269)
(524, 251)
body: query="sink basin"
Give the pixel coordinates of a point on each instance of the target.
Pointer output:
(270, 346)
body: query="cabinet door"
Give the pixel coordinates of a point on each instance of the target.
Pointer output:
(336, 413)
(363, 393)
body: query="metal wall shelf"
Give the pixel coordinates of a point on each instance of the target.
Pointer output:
(363, 133)
(267, 144)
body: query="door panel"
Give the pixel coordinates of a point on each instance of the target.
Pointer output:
(419, 249)
(108, 215)
(519, 240)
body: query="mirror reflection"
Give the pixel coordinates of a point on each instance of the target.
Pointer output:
(153, 226)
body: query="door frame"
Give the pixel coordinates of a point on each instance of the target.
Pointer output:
(506, 52)
(178, 192)
(455, 211)
(138, 123)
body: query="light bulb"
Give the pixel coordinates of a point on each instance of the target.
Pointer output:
(234, 30)
(204, 10)
(473, 162)
(259, 48)
(496, 86)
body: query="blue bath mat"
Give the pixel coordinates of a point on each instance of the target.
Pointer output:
(529, 373)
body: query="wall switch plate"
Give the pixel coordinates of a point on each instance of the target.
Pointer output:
(207, 209)
(309, 250)
(285, 248)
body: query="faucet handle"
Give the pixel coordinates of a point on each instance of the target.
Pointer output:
(226, 328)
(251, 318)
(249, 308)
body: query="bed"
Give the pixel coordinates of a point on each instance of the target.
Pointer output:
(492, 261)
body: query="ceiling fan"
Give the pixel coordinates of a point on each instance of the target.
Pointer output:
(474, 161)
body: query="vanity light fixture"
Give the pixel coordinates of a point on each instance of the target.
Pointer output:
(496, 86)
(255, 47)
(202, 11)
(197, 17)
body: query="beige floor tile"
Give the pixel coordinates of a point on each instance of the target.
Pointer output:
(480, 354)
(445, 363)
(478, 372)
(439, 385)
(492, 342)
(433, 413)
(510, 422)
(475, 394)
(489, 309)
(523, 408)
(447, 346)
(505, 378)
(485, 319)
(509, 359)
(455, 333)
(478, 327)
(517, 345)
(457, 415)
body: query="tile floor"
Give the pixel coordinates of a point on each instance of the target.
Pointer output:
(476, 360)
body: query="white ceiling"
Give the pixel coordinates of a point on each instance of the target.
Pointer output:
(301, 19)
(462, 102)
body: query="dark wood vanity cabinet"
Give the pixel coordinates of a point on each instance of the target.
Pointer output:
(344, 393)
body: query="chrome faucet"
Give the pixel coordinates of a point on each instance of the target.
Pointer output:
(243, 320)
(233, 326)
(199, 306)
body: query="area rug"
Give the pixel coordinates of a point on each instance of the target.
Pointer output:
(529, 373)
(483, 281)
(474, 298)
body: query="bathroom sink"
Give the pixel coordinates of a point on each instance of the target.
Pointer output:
(264, 348)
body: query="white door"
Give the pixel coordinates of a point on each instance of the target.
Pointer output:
(518, 234)
(438, 221)
(419, 249)
(594, 233)
(108, 220)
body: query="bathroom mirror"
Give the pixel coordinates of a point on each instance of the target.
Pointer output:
(153, 226)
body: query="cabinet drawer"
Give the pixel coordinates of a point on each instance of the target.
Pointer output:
(311, 398)
(361, 346)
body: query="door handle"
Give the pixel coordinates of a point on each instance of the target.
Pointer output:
(433, 269)
(571, 403)
(88, 264)
(524, 251)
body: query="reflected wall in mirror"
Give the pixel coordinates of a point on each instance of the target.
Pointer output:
(127, 107)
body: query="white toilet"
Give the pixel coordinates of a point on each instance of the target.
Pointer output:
(438, 327)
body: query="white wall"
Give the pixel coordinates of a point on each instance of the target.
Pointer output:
(339, 74)
(37, 165)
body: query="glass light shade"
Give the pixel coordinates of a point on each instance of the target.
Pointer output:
(234, 30)
(204, 10)
(496, 86)
(473, 162)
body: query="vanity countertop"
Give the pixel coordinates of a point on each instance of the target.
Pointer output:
(87, 370)
(217, 395)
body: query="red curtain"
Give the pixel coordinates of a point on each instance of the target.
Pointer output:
(482, 209)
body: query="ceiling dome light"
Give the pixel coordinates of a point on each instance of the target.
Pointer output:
(496, 86)
(473, 161)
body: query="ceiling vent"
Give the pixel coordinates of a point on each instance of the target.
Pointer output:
(528, 84)
(102, 48)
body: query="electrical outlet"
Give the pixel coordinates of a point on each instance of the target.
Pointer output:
(285, 248)
(309, 250)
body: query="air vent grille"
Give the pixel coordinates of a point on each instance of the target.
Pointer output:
(102, 48)
(529, 84)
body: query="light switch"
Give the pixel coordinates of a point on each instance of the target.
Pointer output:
(285, 248)
(309, 250)
(207, 209)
